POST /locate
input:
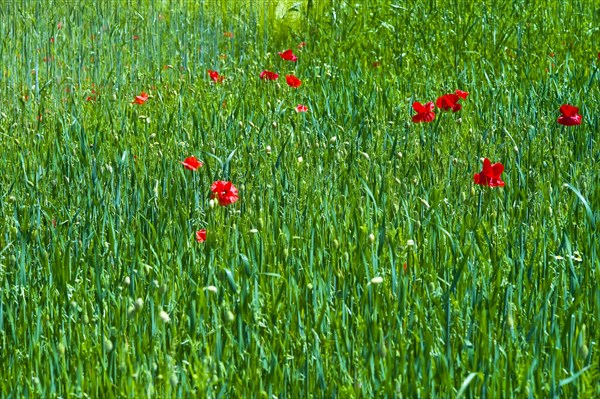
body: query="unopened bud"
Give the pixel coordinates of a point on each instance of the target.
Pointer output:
(164, 316)
(377, 280)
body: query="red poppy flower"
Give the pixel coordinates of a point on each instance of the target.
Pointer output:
(288, 55)
(461, 94)
(490, 175)
(136, 37)
(51, 40)
(201, 235)
(424, 112)
(268, 75)
(376, 64)
(301, 108)
(301, 44)
(448, 102)
(225, 192)
(141, 99)
(214, 75)
(293, 81)
(191, 163)
(59, 25)
(569, 115)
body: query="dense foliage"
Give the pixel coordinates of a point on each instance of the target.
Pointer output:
(357, 256)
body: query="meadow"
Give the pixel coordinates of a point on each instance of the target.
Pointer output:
(363, 253)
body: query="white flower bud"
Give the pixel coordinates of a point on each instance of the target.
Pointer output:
(377, 280)
(164, 316)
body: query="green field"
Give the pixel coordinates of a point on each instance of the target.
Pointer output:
(361, 259)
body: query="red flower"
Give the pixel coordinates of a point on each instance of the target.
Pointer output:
(191, 163)
(228, 35)
(424, 112)
(569, 115)
(214, 75)
(201, 235)
(59, 25)
(268, 75)
(303, 44)
(447, 102)
(301, 108)
(288, 55)
(136, 37)
(376, 64)
(293, 81)
(490, 175)
(51, 40)
(141, 99)
(450, 101)
(461, 94)
(224, 192)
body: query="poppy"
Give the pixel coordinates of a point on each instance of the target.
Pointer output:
(191, 163)
(268, 75)
(301, 108)
(448, 102)
(293, 81)
(461, 94)
(301, 44)
(201, 235)
(569, 115)
(136, 37)
(214, 75)
(225, 192)
(288, 55)
(490, 175)
(141, 99)
(424, 112)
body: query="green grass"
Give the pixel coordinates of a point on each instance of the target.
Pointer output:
(500, 296)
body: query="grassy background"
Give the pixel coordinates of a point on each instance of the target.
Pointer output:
(500, 294)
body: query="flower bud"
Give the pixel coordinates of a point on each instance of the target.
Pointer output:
(164, 316)
(377, 280)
